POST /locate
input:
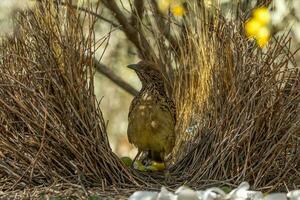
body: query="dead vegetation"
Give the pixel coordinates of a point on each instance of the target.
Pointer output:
(52, 129)
(245, 105)
(242, 101)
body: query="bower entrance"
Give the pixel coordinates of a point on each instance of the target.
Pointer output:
(237, 105)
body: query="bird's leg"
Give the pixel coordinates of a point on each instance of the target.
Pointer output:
(168, 159)
(162, 155)
(137, 155)
(166, 170)
(146, 158)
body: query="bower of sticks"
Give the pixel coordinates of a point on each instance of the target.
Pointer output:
(241, 101)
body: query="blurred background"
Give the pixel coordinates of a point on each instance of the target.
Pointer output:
(114, 100)
(285, 16)
(120, 52)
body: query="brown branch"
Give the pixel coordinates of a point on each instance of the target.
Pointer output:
(101, 68)
(137, 13)
(266, 3)
(128, 29)
(162, 26)
(91, 13)
(136, 36)
(106, 71)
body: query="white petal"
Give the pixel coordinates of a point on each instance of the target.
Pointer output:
(254, 195)
(187, 195)
(209, 195)
(239, 191)
(143, 195)
(276, 196)
(244, 186)
(243, 192)
(216, 190)
(294, 195)
(165, 195)
(181, 188)
(200, 194)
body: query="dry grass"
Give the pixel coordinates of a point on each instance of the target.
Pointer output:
(52, 129)
(243, 103)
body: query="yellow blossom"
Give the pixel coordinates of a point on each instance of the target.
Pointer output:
(252, 26)
(262, 15)
(257, 26)
(263, 36)
(177, 10)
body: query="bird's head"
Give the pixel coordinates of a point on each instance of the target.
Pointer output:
(147, 72)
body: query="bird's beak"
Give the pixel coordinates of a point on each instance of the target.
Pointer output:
(133, 66)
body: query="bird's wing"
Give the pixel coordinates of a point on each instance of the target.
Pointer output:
(169, 103)
(169, 106)
(133, 105)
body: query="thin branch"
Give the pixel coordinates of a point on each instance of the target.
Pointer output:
(128, 29)
(101, 68)
(136, 36)
(266, 3)
(162, 26)
(137, 13)
(91, 13)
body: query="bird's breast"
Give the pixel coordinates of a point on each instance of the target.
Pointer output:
(150, 126)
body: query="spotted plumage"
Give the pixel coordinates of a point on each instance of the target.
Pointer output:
(151, 118)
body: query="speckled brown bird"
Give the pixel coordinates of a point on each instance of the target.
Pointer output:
(151, 118)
